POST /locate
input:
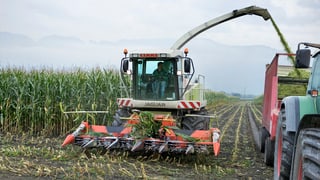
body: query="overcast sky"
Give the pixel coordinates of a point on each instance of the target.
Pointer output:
(134, 19)
(123, 21)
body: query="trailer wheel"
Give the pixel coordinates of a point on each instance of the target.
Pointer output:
(263, 134)
(307, 160)
(269, 152)
(283, 149)
(196, 122)
(117, 121)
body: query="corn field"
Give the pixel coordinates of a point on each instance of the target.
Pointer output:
(33, 101)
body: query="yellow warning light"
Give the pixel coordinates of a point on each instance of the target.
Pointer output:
(186, 51)
(314, 93)
(125, 51)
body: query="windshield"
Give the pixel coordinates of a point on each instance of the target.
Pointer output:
(154, 79)
(314, 82)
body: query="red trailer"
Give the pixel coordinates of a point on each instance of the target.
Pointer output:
(278, 80)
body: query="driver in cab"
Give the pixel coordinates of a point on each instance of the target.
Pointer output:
(160, 77)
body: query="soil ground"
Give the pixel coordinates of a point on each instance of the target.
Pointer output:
(24, 157)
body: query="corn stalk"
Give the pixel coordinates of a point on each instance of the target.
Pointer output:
(31, 100)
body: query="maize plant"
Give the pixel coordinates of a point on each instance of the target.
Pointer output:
(33, 101)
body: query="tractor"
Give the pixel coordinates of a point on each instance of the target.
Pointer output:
(290, 137)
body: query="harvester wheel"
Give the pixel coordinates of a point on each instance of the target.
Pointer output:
(306, 164)
(283, 149)
(117, 121)
(269, 152)
(263, 134)
(196, 122)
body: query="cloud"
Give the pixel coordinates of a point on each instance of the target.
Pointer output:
(112, 21)
(295, 9)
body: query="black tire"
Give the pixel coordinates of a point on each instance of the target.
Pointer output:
(263, 134)
(269, 152)
(117, 121)
(284, 148)
(307, 160)
(196, 122)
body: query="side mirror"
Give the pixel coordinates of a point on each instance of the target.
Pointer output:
(124, 65)
(187, 65)
(303, 58)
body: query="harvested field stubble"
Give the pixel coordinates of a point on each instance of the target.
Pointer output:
(24, 157)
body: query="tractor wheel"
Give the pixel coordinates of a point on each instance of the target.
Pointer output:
(283, 149)
(263, 134)
(269, 152)
(307, 160)
(117, 121)
(196, 122)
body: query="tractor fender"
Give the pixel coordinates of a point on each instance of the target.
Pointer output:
(292, 112)
(296, 107)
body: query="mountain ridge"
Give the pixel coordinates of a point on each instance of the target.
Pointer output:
(228, 68)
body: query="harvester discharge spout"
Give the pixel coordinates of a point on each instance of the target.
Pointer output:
(251, 10)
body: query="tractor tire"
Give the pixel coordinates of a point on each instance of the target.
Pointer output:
(196, 122)
(117, 121)
(263, 134)
(307, 160)
(283, 149)
(269, 152)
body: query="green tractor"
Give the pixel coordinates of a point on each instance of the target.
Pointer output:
(297, 144)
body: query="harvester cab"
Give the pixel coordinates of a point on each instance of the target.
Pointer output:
(157, 75)
(160, 81)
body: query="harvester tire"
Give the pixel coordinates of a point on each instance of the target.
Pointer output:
(283, 149)
(196, 122)
(269, 152)
(263, 134)
(117, 121)
(306, 164)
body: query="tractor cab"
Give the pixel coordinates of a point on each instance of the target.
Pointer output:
(303, 60)
(156, 75)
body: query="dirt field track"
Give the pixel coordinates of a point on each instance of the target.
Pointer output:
(23, 157)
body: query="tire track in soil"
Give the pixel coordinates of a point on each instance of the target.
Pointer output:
(253, 124)
(238, 152)
(228, 134)
(225, 109)
(231, 120)
(249, 153)
(224, 116)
